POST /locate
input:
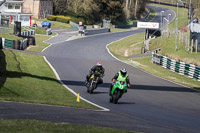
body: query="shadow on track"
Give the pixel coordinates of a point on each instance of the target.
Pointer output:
(137, 87)
(126, 103)
(98, 92)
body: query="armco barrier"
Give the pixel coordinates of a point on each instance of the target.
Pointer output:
(96, 31)
(182, 68)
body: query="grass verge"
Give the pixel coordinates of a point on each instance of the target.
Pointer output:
(28, 78)
(168, 49)
(127, 47)
(11, 37)
(55, 24)
(34, 126)
(40, 44)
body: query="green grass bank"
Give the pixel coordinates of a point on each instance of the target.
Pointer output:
(33, 126)
(28, 78)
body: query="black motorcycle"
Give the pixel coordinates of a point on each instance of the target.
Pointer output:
(93, 81)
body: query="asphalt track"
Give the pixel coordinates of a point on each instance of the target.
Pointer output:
(151, 105)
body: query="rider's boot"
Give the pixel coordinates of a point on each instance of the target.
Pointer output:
(110, 90)
(125, 90)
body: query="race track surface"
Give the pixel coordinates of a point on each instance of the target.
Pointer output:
(151, 105)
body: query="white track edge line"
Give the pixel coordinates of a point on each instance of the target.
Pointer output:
(73, 92)
(143, 70)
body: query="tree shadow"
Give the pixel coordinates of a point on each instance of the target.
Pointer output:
(137, 87)
(4, 74)
(15, 74)
(82, 83)
(126, 102)
(2, 69)
(164, 88)
(98, 92)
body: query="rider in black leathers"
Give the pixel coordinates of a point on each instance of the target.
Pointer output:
(99, 69)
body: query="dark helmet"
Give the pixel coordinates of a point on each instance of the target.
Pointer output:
(123, 71)
(99, 64)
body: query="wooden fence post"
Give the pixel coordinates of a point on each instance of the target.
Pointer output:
(186, 42)
(182, 39)
(196, 42)
(192, 45)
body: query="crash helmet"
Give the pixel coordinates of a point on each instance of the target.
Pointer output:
(99, 64)
(123, 71)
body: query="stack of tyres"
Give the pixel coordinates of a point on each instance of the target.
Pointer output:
(16, 44)
(31, 41)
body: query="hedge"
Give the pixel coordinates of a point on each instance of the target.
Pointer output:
(63, 19)
(66, 19)
(51, 17)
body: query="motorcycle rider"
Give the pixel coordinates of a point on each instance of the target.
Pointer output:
(96, 68)
(122, 76)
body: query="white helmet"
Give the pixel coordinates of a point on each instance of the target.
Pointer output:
(123, 71)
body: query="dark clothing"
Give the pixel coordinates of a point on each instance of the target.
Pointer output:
(96, 69)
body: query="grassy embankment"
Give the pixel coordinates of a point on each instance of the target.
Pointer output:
(33, 126)
(55, 24)
(28, 78)
(168, 48)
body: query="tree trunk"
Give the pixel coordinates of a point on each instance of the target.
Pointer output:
(136, 8)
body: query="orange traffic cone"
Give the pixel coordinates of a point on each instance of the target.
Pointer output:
(78, 98)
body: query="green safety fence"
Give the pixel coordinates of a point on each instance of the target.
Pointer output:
(182, 68)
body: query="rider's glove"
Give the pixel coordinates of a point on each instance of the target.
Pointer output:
(128, 85)
(113, 80)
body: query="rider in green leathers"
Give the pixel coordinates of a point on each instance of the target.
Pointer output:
(120, 76)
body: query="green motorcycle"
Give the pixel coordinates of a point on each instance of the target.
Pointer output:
(118, 90)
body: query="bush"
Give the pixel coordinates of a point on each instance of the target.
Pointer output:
(77, 20)
(51, 17)
(63, 19)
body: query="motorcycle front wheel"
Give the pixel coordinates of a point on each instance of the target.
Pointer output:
(116, 97)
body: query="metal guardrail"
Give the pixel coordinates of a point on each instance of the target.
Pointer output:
(181, 68)
(86, 32)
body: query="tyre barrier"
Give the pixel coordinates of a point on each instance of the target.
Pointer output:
(28, 33)
(16, 44)
(182, 68)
